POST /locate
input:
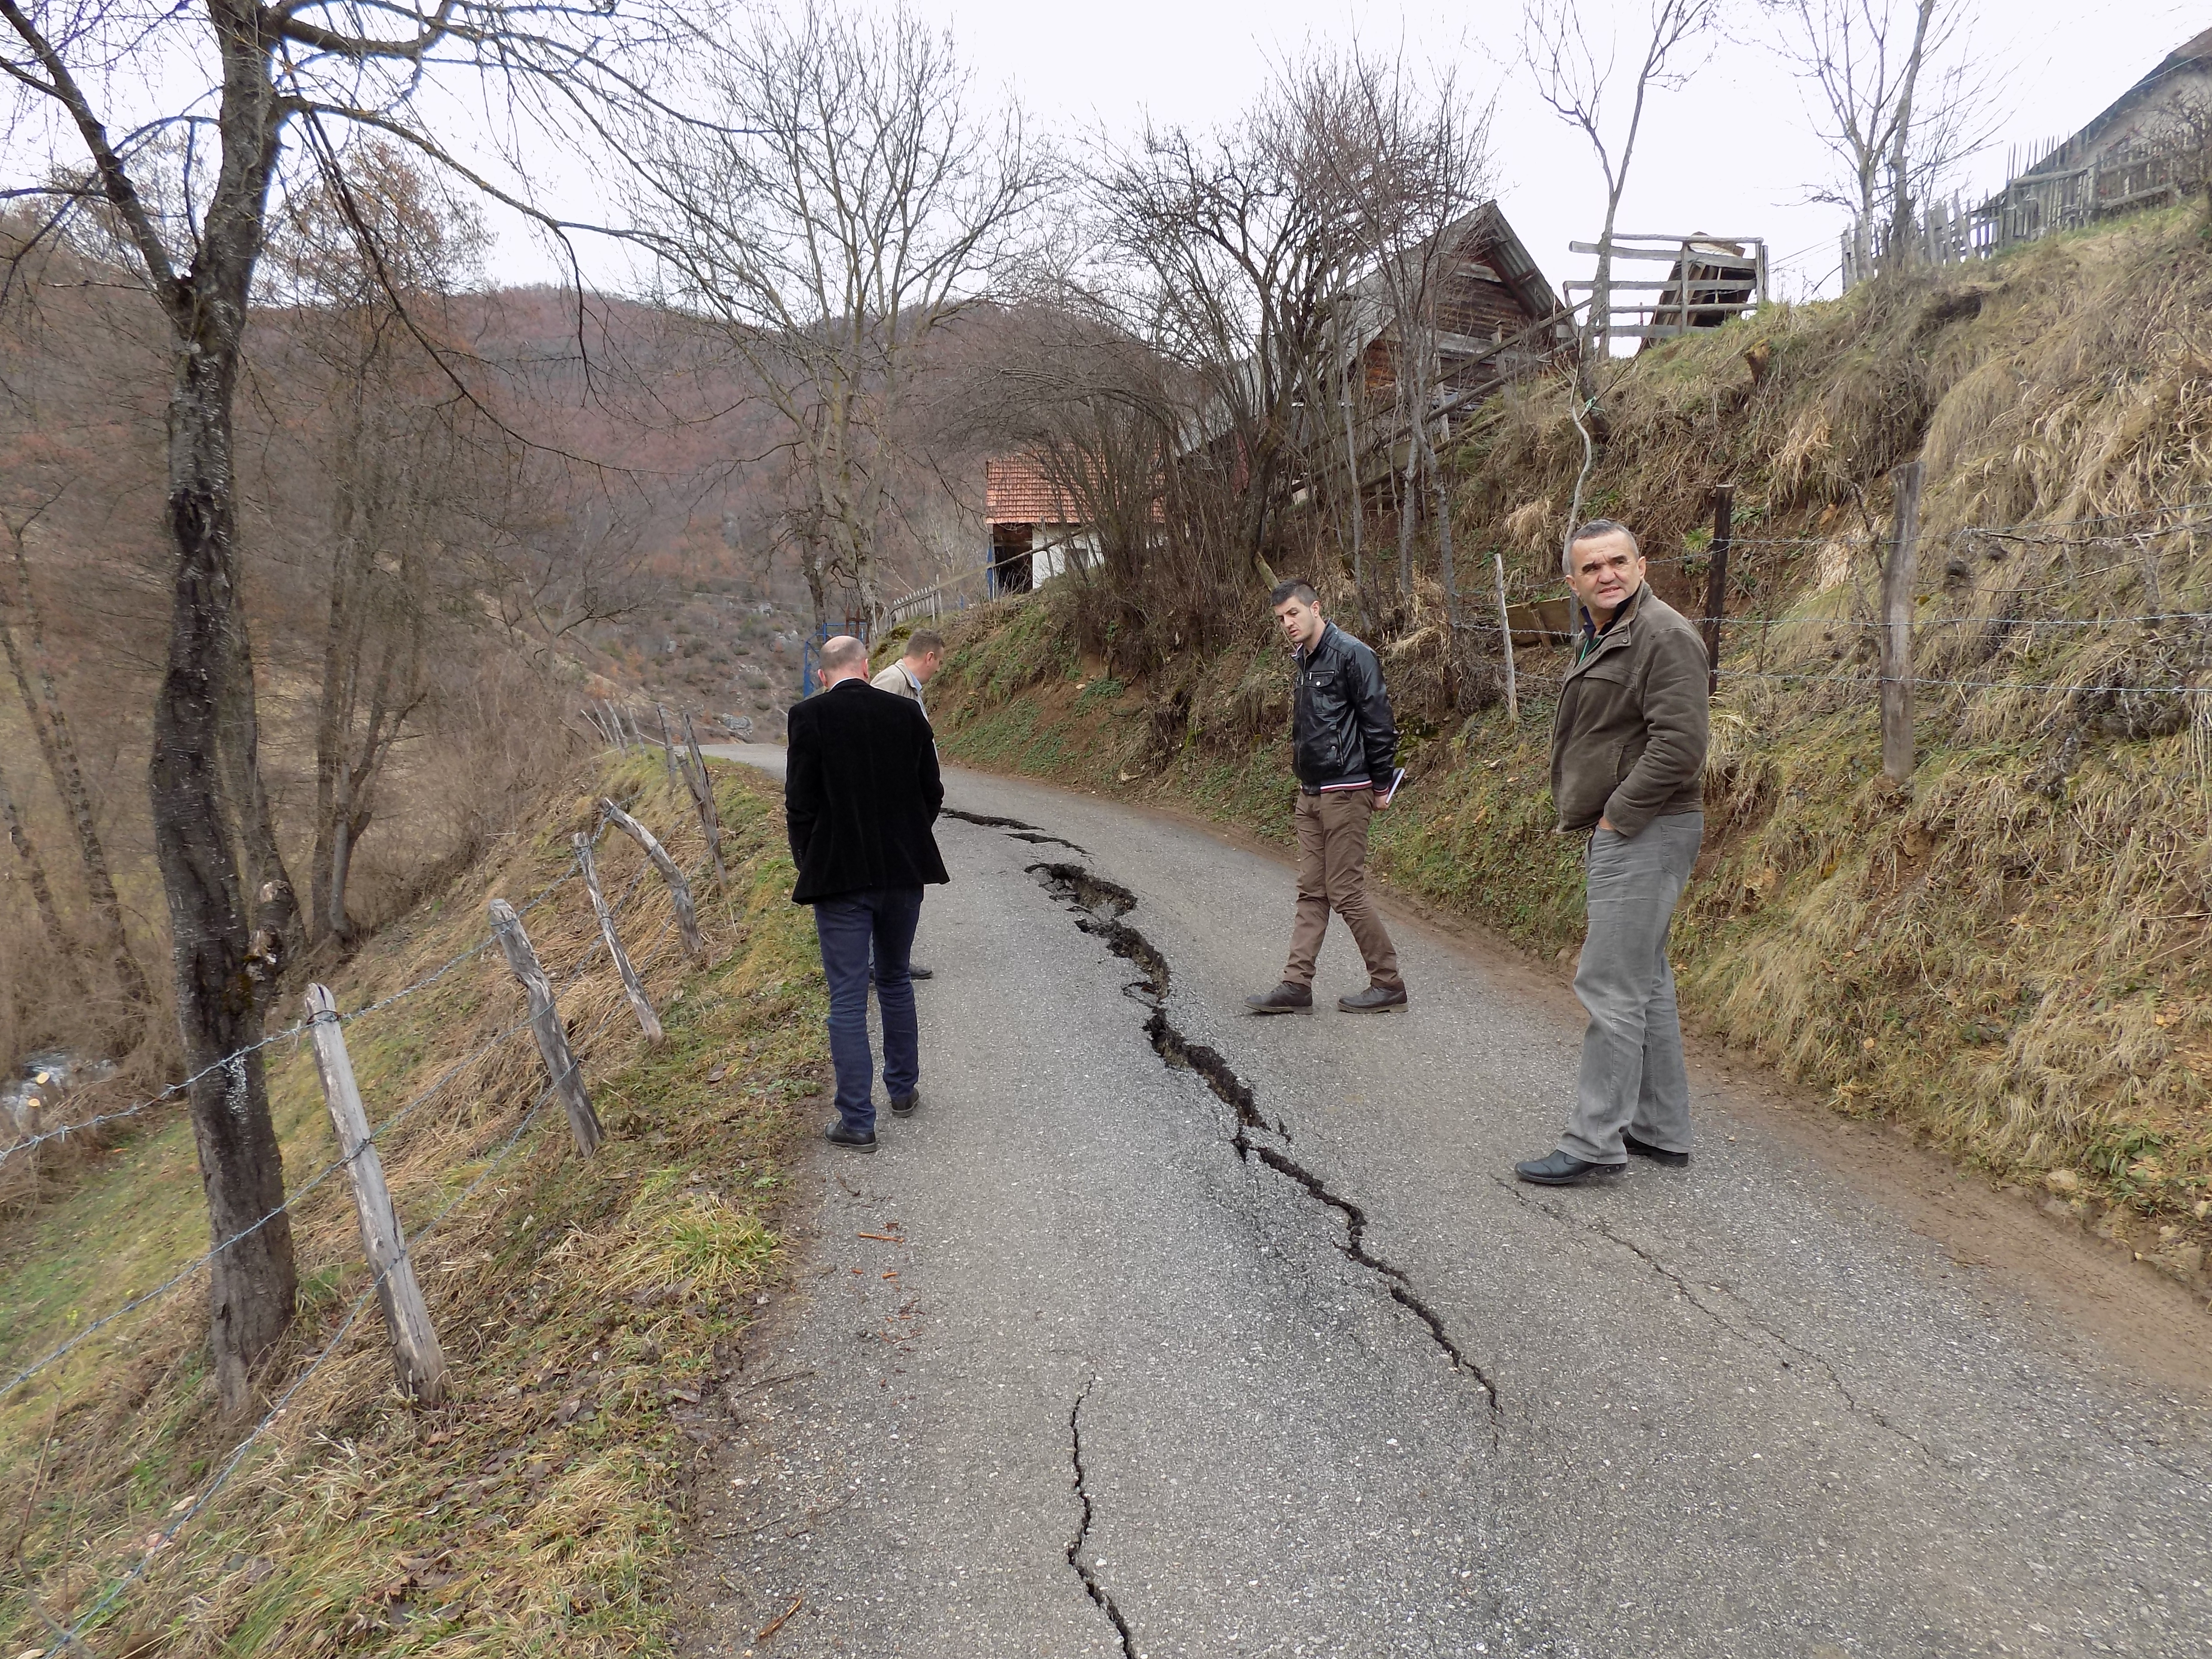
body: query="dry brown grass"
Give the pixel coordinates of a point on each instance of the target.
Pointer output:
(582, 1304)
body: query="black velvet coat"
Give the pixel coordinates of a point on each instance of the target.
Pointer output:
(861, 791)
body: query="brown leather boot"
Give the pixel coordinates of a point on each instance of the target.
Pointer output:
(1284, 999)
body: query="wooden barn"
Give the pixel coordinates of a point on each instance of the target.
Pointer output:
(1495, 317)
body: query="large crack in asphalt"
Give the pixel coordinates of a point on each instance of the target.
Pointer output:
(1098, 905)
(1014, 827)
(1075, 1558)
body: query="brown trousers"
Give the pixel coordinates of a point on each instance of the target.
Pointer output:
(1332, 876)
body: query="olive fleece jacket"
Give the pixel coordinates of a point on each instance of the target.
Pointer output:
(1628, 742)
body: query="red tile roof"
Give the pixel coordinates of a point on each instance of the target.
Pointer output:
(1017, 491)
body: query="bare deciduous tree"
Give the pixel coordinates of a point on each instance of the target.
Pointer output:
(1414, 162)
(1574, 74)
(326, 67)
(367, 258)
(1230, 253)
(842, 202)
(26, 652)
(1894, 134)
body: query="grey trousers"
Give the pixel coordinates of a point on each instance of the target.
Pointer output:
(1633, 1077)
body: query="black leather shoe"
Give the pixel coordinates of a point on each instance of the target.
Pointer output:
(913, 972)
(1657, 1154)
(1284, 999)
(1564, 1170)
(838, 1135)
(1374, 997)
(904, 1105)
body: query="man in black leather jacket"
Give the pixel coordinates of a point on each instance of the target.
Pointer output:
(1343, 748)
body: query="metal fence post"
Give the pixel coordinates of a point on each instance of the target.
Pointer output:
(416, 1355)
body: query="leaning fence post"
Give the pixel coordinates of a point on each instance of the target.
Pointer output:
(679, 890)
(561, 1063)
(416, 1355)
(1716, 582)
(667, 744)
(702, 790)
(1506, 632)
(1897, 758)
(631, 983)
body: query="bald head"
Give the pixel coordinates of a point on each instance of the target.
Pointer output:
(843, 658)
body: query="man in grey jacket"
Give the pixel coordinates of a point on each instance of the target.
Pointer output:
(1628, 757)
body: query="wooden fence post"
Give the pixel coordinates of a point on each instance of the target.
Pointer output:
(416, 1355)
(679, 890)
(613, 720)
(667, 744)
(1506, 632)
(1716, 582)
(702, 791)
(645, 1017)
(561, 1063)
(1897, 758)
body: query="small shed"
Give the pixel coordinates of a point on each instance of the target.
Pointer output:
(1036, 531)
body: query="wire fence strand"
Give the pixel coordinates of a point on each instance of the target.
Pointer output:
(414, 1240)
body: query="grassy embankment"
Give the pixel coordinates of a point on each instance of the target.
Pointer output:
(2009, 962)
(584, 1305)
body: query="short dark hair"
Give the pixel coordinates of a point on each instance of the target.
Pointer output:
(922, 642)
(1591, 532)
(1293, 589)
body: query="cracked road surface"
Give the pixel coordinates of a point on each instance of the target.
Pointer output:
(1163, 1330)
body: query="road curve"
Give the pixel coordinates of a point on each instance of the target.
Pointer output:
(1164, 1331)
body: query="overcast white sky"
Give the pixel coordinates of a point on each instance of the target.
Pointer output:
(1734, 152)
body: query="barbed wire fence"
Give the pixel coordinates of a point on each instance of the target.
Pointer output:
(391, 1251)
(1947, 585)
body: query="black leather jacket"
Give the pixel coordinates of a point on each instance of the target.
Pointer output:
(1340, 728)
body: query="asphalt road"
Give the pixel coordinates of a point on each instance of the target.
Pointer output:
(1107, 1352)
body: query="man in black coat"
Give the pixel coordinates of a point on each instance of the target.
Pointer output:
(1343, 750)
(861, 791)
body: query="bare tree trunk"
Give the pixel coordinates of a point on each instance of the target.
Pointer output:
(222, 982)
(262, 862)
(58, 749)
(34, 871)
(1900, 178)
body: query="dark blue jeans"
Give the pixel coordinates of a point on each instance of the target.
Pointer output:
(860, 931)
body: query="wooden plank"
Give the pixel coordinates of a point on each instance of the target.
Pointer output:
(667, 745)
(561, 1066)
(1698, 255)
(679, 890)
(417, 1357)
(1716, 582)
(702, 792)
(1897, 756)
(1669, 285)
(648, 1020)
(1505, 633)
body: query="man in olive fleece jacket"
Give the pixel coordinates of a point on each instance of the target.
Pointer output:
(1628, 757)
